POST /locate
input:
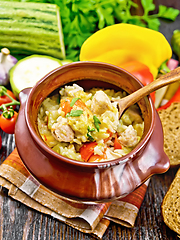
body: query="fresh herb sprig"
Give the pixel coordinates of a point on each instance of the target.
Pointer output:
(89, 130)
(96, 122)
(74, 113)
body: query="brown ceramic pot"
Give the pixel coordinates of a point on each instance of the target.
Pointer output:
(80, 181)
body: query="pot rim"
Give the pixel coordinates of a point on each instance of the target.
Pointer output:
(42, 145)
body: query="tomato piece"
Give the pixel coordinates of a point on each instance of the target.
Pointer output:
(95, 158)
(87, 150)
(8, 124)
(5, 99)
(117, 144)
(141, 71)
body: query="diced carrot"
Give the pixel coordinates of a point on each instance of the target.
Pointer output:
(83, 106)
(95, 158)
(65, 105)
(87, 150)
(117, 144)
(45, 138)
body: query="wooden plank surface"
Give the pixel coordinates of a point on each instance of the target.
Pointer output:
(18, 222)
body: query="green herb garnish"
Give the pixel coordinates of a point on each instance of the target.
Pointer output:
(73, 101)
(91, 130)
(89, 135)
(74, 113)
(58, 99)
(96, 122)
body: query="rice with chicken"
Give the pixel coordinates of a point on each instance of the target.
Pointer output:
(84, 125)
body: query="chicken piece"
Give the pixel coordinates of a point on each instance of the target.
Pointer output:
(62, 131)
(129, 137)
(110, 155)
(100, 103)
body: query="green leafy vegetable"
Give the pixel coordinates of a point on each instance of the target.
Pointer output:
(73, 101)
(74, 113)
(96, 122)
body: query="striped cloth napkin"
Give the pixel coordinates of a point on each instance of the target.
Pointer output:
(88, 218)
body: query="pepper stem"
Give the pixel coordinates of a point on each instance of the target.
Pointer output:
(8, 113)
(3, 91)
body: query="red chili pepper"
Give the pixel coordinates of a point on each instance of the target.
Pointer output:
(175, 98)
(141, 71)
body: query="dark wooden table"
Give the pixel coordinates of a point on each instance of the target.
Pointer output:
(18, 222)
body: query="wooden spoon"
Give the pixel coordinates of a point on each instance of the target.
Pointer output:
(168, 78)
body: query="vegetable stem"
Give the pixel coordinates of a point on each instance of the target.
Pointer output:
(3, 91)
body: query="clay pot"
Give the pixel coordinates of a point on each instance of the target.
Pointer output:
(80, 181)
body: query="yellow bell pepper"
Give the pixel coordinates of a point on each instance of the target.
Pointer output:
(121, 43)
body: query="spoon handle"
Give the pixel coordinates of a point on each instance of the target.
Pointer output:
(168, 78)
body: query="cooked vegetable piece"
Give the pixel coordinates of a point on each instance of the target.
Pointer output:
(65, 105)
(87, 150)
(117, 144)
(84, 136)
(95, 158)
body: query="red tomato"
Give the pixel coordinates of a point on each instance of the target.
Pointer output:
(8, 124)
(5, 99)
(87, 150)
(0, 142)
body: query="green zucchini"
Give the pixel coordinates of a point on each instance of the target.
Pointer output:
(29, 70)
(31, 28)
